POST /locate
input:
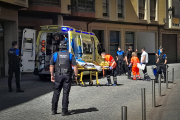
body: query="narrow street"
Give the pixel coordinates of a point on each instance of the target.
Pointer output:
(86, 103)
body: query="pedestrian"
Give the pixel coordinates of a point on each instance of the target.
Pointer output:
(61, 61)
(128, 60)
(144, 60)
(14, 67)
(135, 69)
(161, 62)
(112, 68)
(120, 61)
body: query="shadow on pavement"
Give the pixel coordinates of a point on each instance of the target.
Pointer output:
(32, 86)
(78, 111)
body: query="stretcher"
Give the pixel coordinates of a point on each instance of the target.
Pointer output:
(92, 72)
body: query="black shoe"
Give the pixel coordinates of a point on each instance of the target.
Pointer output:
(10, 90)
(66, 113)
(54, 112)
(19, 90)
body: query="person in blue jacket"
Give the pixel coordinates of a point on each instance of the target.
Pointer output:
(62, 62)
(14, 67)
(120, 60)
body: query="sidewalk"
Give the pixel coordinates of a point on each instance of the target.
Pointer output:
(167, 106)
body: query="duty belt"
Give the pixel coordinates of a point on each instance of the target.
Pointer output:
(62, 71)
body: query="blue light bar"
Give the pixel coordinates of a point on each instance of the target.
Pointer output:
(78, 31)
(65, 29)
(70, 29)
(91, 34)
(85, 32)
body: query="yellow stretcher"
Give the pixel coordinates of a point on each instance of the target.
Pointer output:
(92, 71)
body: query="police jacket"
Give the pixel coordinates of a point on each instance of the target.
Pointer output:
(13, 57)
(162, 57)
(120, 55)
(63, 61)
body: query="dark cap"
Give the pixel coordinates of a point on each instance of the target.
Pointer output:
(14, 43)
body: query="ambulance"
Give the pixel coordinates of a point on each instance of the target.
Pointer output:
(37, 53)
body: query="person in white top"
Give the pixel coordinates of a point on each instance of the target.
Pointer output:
(144, 60)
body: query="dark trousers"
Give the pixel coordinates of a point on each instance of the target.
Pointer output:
(110, 73)
(161, 68)
(146, 76)
(61, 81)
(15, 70)
(121, 67)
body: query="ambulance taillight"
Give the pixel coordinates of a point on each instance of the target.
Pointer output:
(43, 46)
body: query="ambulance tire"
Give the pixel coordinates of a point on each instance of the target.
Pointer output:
(43, 77)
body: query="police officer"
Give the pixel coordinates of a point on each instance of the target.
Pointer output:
(14, 66)
(62, 62)
(120, 62)
(161, 61)
(128, 57)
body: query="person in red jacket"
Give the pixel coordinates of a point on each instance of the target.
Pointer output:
(112, 66)
(135, 69)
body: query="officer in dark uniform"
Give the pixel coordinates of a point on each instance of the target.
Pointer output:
(62, 62)
(120, 62)
(14, 67)
(161, 62)
(128, 57)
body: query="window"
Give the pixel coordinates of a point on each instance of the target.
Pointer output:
(114, 42)
(87, 48)
(152, 9)
(141, 9)
(120, 8)
(105, 7)
(129, 40)
(83, 5)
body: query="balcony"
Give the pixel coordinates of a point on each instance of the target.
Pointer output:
(83, 8)
(45, 2)
(83, 5)
(51, 6)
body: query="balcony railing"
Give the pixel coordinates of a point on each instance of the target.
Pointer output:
(83, 5)
(45, 2)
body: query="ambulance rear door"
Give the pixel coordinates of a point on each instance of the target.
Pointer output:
(28, 50)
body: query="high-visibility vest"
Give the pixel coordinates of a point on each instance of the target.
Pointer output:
(110, 60)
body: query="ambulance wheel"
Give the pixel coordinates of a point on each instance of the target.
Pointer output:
(42, 77)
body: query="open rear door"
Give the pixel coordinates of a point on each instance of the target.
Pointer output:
(28, 50)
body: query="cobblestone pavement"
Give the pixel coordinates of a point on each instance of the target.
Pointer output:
(87, 103)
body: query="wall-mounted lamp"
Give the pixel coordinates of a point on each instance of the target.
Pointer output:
(170, 12)
(69, 7)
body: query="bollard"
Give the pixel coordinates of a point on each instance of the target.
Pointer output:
(124, 113)
(166, 79)
(143, 96)
(172, 75)
(159, 80)
(153, 94)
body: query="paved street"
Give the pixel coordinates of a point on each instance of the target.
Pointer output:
(87, 103)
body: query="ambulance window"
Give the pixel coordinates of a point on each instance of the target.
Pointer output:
(87, 48)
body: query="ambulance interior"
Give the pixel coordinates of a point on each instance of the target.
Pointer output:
(83, 47)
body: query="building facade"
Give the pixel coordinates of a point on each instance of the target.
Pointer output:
(8, 28)
(136, 23)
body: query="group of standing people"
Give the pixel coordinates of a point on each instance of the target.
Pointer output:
(127, 62)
